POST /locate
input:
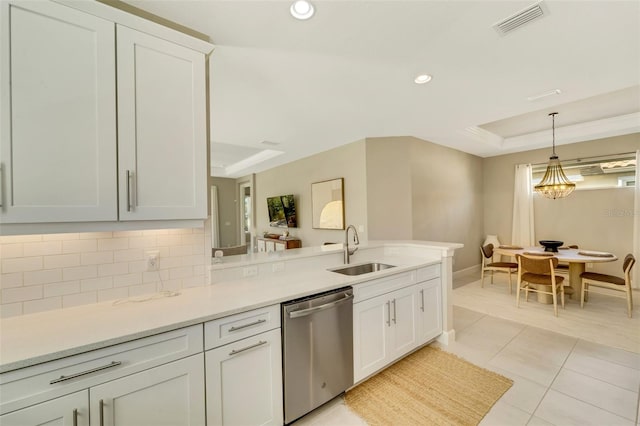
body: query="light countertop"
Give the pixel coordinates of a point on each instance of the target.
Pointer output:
(31, 339)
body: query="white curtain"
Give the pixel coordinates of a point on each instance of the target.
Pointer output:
(522, 232)
(636, 223)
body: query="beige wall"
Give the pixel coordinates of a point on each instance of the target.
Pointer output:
(588, 218)
(228, 210)
(295, 178)
(423, 191)
(389, 211)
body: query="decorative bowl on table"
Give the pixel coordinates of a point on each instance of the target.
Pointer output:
(551, 245)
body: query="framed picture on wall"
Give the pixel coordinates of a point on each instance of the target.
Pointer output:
(327, 204)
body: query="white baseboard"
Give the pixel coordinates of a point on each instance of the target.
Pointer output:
(465, 271)
(447, 337)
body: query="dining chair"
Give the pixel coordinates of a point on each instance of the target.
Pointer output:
(493, 267)
(611, 282)
(535, 272)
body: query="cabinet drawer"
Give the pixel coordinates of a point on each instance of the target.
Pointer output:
(374, 288)
(235, 327)
(428, 272)
(42, 382)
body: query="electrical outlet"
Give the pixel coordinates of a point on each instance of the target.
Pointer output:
(278, 267)
(153, 260)
(250, 271)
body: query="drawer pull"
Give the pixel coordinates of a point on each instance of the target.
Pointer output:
(422, 296)
(75, 417)
(260, 343)
(240, 327)
(101, 412)
(93, 370)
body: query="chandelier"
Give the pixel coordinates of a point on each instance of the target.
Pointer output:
(555, 183)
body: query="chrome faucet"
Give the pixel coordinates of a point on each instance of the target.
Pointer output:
(347, 251)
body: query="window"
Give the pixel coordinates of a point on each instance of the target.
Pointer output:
(611, 171)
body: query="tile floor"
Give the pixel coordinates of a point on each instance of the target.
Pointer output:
(558, 380)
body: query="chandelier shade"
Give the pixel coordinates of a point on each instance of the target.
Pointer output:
(555, 183)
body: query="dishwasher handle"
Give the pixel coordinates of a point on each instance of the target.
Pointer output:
(309, 311)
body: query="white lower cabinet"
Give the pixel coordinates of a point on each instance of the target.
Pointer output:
(69, 410)
(385, 328)
(244, 381)
(171, 395)
(429, 310)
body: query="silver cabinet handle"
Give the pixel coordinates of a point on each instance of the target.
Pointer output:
(129, 174)
(101, 412)
(75, 417)
(309, 311)
(422, 297)
(394, 311)
(236, 352)
(240, 327)
(83, 373)
(388, 314)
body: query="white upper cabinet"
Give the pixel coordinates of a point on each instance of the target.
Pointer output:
(58, 115)
(161, 129)
(66, 75)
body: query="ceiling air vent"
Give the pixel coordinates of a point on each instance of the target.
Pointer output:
(521, 18)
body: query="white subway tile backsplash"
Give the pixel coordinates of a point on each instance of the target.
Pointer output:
(96, 284)
(113, 269)
(14, 279)
(113, 294)
(60, 237)
(79, 299)
(127, 280)
(61, 288)
(113, 244)
(128, 255)
(21, 264)
(42, 248)
(182, 272)
(41, 305)
(96, 258)
(42, 272)
(61, 261)
(10, 310)
(43, 276)
(138, 266)
(9, 251)
(142, 242)
(79, 272)
(21, 294)
(95, 235)
(80, 246)
(139, 290)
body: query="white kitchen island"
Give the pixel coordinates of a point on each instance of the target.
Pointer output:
(167, 331)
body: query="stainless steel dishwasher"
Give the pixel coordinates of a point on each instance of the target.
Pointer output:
(317, 350)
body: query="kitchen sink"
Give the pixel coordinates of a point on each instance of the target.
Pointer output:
(363, 268)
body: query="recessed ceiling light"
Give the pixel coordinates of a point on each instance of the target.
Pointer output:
(302, 9)
(422, 79)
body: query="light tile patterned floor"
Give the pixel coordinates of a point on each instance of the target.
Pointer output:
(558, 379)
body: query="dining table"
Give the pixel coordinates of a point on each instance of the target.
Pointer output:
(576, 258)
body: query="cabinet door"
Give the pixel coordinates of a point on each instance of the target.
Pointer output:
(371, 327)
(162, 141)
(57, 112)
(244, 382)
(404, 337)
(429, 310)
(69, 410)
(169, 395)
